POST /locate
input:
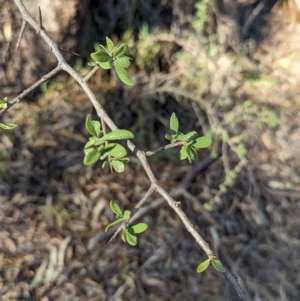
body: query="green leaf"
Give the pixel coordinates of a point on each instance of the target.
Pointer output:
(201, 142)
(92, 64)
(124, 61)
(122, 74)
(203, 266)
(3, 103)
(123, 236)
(101, 56)
(105, 164)
(88, 150)
(89, 126)
(110, 45)
(127, 214)
(91, 143)
(91, 156)
(120, 50)
(218, 265)
(104, 156)
(100, 141)
(188, 136)
(118, 166)
(130, 238)
(139, 228)
(174, 124)
(115, 208)
(93, 126)
(183, 152)
(117, 135)
(97, 127)
(108, 147)
(168, 137)
(113, 224)
(118, 151)
(124, 160)
(8, 126)
(191, 153)
(107, 65)
(99, 47)
(100, 148)
(94, 143)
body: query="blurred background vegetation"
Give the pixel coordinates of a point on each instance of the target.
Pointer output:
(229, 70)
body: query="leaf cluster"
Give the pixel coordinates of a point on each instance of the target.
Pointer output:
(128, 233)
(191, 139)
(100, 147)
(113, 56)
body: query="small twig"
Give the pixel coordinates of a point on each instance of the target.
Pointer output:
(22, 30)
(68, 51)
(252, 16)
(165, 147)
(40, 17)
(143, 200)
(121, 290)
(225, 156)
(91, 73)
(31, 88)
(121, 227)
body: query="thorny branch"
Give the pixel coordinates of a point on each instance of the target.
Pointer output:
(63, 65)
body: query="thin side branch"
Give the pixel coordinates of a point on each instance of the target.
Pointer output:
(121, 227)
(41, 18)
(68, 51)
(252, 17)
(22, 30)
(143, 200)
(162, 148)
(31, 88)
(91, 73)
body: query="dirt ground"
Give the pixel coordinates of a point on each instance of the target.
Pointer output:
(53, 209)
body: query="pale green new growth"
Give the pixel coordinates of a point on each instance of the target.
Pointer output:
(174, 124)
(203, 265)
(188, 150)
(113, 56)
(215, 263)
(129, 233)
(218, 265)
